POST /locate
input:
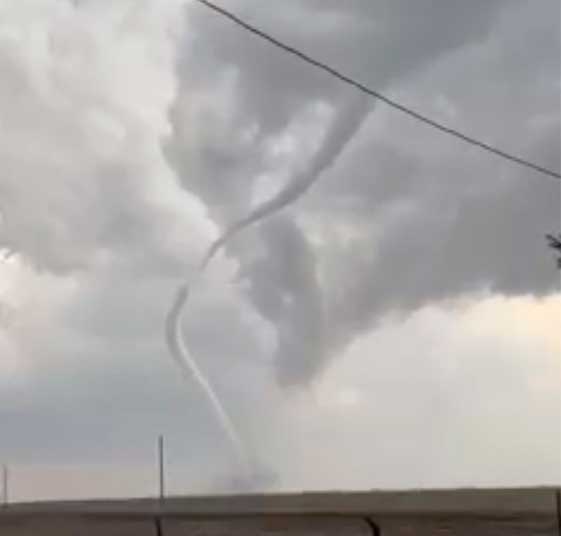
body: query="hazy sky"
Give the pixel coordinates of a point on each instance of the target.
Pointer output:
(397, 327)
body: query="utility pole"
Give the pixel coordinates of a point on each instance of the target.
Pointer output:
(162, 490)
(5, 496)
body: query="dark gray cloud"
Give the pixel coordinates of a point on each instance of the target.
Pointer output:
(284, 287)
(265, 89)
(430, 218)
(389, 41)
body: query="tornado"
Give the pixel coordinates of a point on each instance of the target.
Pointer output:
(347, 122)
(191, 371)
(344, 127)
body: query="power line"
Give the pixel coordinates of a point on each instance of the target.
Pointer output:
(373, 93)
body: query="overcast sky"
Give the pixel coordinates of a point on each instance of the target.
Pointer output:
(396, 327)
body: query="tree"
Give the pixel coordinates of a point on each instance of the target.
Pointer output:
(555, 243)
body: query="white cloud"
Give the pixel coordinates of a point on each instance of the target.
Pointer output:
(448, 397)
(85, 109)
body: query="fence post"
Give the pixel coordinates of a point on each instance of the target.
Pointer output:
(162, 490)
(5, 495)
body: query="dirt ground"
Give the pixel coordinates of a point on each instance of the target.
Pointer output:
(276, 526)
(502, 512)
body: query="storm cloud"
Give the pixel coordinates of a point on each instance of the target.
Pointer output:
(411, 283)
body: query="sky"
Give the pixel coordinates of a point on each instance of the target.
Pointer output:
(396, 327)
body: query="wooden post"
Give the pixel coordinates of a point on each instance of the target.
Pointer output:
(162, 490)
(5, 495)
